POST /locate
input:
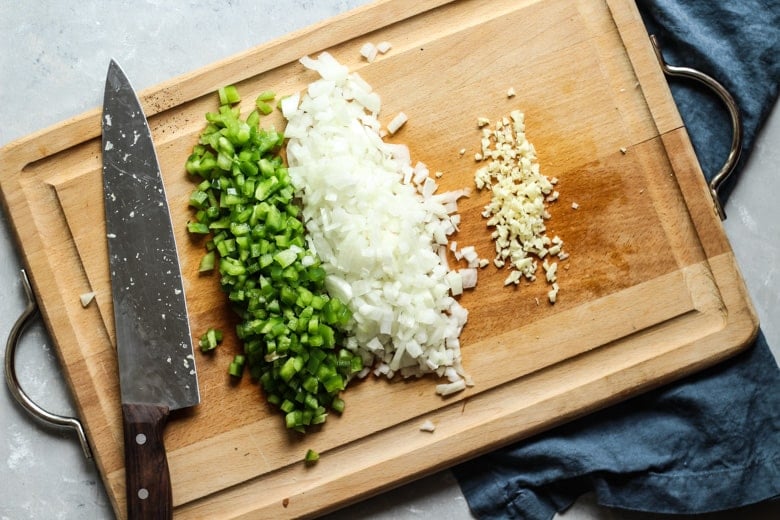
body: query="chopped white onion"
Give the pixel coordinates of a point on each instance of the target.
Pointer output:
(378, 226)
(455, 281)
(86, 298)
(427, 426)
(368, 51)
(451, 374)
(290, 104)
(396, 123)
(451, 388)
(468, 277)
(383, 47)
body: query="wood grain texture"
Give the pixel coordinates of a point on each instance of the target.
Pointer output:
(650, 293)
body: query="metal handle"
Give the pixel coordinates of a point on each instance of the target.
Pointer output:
(13, 382)
(736, 121)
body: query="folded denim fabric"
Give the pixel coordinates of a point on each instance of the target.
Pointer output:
(708, 443)
(712, 440)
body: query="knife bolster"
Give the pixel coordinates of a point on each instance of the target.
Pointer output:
(147, 479)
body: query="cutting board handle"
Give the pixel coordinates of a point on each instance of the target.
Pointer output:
(15, 387)
(736, 121)
(147, 480)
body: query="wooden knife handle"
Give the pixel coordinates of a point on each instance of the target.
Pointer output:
(148, 482)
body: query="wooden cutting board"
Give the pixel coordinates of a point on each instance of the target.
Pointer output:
(650, 292)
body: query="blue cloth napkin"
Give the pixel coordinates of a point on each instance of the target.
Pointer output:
(710, 441)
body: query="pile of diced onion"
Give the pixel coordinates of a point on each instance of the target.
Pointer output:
(379, 226)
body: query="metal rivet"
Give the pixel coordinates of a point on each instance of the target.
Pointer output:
(140, 439)
(143, 493)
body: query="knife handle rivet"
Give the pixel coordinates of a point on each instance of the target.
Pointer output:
(143, 493)
(140, 439)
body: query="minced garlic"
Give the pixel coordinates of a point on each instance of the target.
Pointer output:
(517, 209)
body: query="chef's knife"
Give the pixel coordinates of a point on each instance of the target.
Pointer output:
(153, 339)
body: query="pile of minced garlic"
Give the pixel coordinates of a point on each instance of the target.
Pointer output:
(518, 206)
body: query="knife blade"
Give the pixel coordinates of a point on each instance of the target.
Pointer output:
(153, 340)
